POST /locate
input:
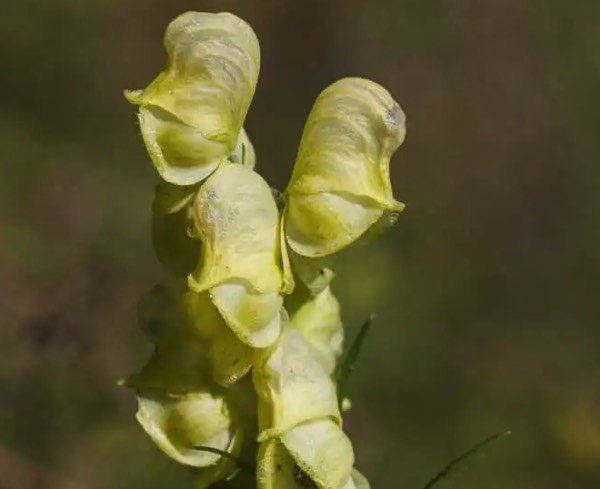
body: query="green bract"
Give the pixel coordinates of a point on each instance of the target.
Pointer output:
(248, 269)
(191, 115)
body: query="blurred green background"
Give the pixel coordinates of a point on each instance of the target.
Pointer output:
(486, 290)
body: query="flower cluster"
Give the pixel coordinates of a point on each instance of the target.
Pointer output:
(247, 331)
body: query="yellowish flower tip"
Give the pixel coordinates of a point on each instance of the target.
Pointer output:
(340, 186)
(191, 115)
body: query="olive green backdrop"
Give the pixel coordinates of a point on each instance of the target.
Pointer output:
(486, 290)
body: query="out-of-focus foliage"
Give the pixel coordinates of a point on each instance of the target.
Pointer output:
(485, 290)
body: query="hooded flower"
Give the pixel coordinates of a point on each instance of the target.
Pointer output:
(181, 425)
(292, 385)
(302, 443)
(315, 454)
(179, 405)
(340, 186)
(191, 115)
(236, 217)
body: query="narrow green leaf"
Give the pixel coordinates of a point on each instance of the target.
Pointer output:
(346, 366)
(442, 474)
(241, 464)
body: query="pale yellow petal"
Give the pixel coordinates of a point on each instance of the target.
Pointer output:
(255, 318)
(180, 424)
(292, 385)
(314, 454)
(351, 132)
(324, 223)
(194, 343)
(318, 319)
(237, 219)
(181, 154)
(228, 358)
(323, 451)
(276, 469)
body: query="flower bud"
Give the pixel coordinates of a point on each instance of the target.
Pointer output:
(314, 454)
(340, 185)
(318, 319)
(191, 115)
(237, 220)
(292, 385)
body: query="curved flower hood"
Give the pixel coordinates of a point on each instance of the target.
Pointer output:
(191, 115)
(340, 185)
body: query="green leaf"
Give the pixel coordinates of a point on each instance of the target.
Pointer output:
(442, 474)
(346, 366)
(241, 464)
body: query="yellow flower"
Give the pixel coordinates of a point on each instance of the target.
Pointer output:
(236, 217)
(292, 385)
(315, 454)
(179, 425)
(318, 319)
(340, 186)
(191, 115)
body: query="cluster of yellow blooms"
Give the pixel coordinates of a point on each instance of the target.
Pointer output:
(248, 284)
